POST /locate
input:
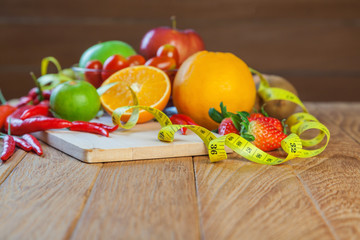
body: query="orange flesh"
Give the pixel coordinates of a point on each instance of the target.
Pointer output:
(151, 85)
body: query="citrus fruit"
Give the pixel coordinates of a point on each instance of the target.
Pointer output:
(151, 85)
(75, 101)
(102, 51)
(207, 78)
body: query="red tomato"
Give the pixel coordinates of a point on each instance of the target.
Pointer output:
(136, 60)
(94, 76)
(168, 50)
(113, 64)
(163, 63)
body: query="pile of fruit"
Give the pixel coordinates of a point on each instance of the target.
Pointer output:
(171, 64)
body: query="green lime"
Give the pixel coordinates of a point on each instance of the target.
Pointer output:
(75, 101)
(102, 51)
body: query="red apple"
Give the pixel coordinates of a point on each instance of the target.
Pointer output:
(187, 42)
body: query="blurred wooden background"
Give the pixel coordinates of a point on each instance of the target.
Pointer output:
(313, 43)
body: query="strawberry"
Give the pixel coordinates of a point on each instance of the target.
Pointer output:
(267, 137)
(256, 115)
(227, 126)
(273, 121)
(264, 132)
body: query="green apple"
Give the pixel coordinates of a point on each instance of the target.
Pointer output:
(75, 101)
(102, 51)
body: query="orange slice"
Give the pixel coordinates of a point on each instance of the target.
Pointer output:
(151, 85)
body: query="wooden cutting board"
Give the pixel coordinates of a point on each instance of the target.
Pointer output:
(138, 143)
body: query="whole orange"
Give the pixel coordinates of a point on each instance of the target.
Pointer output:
(207, 78)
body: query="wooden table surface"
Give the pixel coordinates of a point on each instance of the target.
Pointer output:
(59, 197)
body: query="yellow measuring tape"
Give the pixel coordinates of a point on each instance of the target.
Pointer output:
(293, 145)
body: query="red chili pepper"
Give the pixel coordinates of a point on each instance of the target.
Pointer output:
(22, 144)
(88, 127)
(34, 143)
(185, 118)
(34, 124)
(23, 101)
(9, 148)
(46, 94)
(45, 103)
(33, 93)
(107, 127)
(5, 111)
(35, 111)
(18, 112)
(179, 121)
(36, 101)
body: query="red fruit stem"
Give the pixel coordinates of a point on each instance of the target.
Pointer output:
(173, 22)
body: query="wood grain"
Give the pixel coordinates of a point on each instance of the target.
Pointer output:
(324, 87)
(283, 40)
(332, 179)
(138, 143)
(7, 166)
(228, 9)
(243, 200)
(305, 41)
(344, 115)
(43, 196)
(58, 197)
(142, 200)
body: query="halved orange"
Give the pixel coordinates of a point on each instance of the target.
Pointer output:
(151, 85)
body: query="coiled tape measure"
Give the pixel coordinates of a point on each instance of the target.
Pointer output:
(293, 145)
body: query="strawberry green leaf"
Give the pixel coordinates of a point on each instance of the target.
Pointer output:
(284, 125)
(224, 111)
(248, 137)
(244, 114)
(215, 115)
(262, 110)
(244, 120)
(244, 127)
(236, 121)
